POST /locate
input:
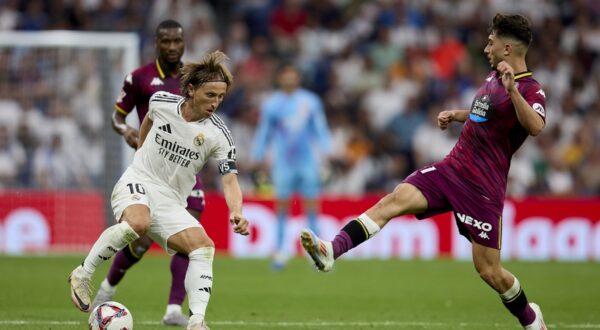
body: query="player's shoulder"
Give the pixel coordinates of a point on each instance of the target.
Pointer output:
(220, 127)
(527, 81)
(144, 70)
(165, 97)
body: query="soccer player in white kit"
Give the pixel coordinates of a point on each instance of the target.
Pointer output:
(177, 137)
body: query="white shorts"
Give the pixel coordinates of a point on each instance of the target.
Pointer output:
(168, 214)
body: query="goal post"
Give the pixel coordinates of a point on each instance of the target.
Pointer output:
(72, 80)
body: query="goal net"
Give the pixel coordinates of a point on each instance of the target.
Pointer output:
(58, 153)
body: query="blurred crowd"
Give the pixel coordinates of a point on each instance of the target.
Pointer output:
(383, 68)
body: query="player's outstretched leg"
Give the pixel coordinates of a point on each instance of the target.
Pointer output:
(173, 314)
(320, 251)
(323, 253)
(110, 241)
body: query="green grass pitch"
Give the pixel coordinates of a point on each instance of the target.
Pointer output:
(372, 294)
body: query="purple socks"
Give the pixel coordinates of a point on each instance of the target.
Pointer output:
(179, 266)
(123, 260)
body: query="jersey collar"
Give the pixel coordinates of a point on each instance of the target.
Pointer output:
(159, 69)
(161, 73)
(523, 74)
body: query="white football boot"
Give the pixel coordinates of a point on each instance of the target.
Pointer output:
(81, 289)
(197, 323)
(320, 251)
(175, 318)
(538, 323)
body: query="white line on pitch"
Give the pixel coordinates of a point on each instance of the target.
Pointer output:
(321, 324)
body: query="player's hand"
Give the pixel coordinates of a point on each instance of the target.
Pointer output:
(508, 75)
(131, 136)
(240, 224)
(444, 118)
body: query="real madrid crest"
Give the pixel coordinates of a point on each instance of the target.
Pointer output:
(199, 139)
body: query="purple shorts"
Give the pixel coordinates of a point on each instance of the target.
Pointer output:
(478, 217)
(196, 199)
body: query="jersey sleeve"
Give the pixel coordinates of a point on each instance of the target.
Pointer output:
(536, 98)
(152, 106)
(126, 100)
(224, 151)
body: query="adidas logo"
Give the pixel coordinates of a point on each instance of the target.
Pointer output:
(156, 82)
(207, 289)
(165, 128)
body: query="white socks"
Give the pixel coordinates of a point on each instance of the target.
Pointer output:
(511, 293)
(106, 287)
(198, 280)
(113, 239)
(370, 225)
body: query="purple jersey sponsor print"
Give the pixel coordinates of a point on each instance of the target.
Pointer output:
(137, 89)
(471, 180)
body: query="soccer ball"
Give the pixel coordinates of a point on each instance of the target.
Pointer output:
(111, 315)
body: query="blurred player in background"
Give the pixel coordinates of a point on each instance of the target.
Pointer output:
(162, 74)
(471, 180)
(292, 119)
(180, 134)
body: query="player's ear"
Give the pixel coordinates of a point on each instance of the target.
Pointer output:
(190, 90)
(507, 49)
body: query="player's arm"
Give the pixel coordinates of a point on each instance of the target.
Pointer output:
(263, 131)
(144, 129)
(233, 197)
(529, 118)
(446, 117)
(119, 125)
(321, 127)
(124, 105)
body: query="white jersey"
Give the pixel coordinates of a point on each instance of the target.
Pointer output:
(175, 150)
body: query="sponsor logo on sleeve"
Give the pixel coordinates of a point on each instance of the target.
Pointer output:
(539, 109)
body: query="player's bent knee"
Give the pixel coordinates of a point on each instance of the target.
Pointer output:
(141, 245)
(138, 217)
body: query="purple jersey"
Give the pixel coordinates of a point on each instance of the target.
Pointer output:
(471, 180)
(137, 89)
(141, 84)
(491, 135)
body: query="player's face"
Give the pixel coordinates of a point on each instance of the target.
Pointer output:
(169, 43)
(206, 98)
(289, 79)
(494, 50)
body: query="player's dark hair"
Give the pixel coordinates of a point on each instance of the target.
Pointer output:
(211, 68)
(512, 26)
(167, 24)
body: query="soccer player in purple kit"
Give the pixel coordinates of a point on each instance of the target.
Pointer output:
(471, 180)
(163, 74)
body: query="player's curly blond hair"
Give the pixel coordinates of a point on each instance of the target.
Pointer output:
(210, 68)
